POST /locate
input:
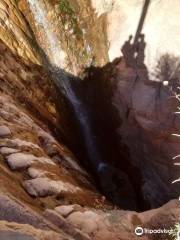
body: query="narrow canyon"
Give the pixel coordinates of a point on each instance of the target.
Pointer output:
(89, 119)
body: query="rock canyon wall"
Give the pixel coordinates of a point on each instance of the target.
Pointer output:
(45, 192)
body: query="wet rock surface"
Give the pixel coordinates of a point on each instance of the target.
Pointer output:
(44, 192)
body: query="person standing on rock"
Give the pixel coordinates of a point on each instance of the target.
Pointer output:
(128, 51)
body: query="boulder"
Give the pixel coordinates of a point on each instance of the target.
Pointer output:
(4, 131)
(60, 222)
(42, 187)
(67, 210)
(88, 221)
(21, 160)
(36, 173)
(7, 151)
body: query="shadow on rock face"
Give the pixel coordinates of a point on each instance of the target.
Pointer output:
(94, 119)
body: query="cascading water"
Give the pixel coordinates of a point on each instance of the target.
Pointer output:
(57, 57)
(104, 172)
(55, 53)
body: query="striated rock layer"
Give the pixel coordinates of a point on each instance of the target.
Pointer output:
(15, 31)
(44, 192)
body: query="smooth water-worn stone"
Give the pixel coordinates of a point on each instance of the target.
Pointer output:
(36, 173)
(4, 131)
(8, 151)
(22, 160)
(43, 186)
(87, 221)
(67, 210)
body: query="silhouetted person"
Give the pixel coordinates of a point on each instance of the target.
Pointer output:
(128, 52)
(140, 49)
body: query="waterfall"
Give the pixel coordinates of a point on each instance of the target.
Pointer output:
(57, 57)
(56, 54)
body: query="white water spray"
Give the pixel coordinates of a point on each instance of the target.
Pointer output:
(56, 54)
(57, 57)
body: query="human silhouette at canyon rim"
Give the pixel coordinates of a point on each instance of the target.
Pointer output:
(134, 53)
(128, 52)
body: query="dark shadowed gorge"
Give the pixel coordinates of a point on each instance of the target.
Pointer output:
(89, 120)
